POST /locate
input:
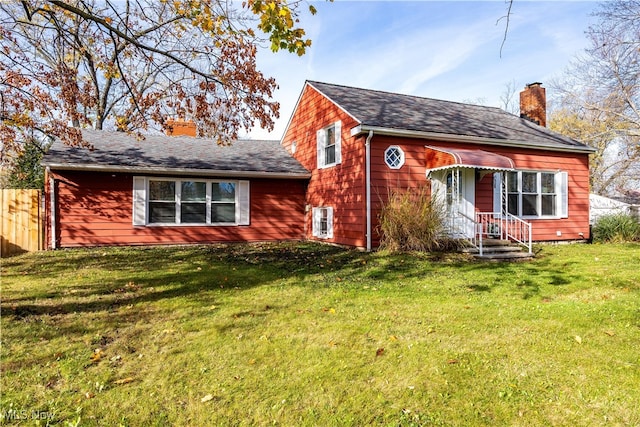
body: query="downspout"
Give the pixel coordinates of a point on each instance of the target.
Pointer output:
(367, 166)
(52, 208)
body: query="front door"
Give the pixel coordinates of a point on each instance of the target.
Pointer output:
(456, 188)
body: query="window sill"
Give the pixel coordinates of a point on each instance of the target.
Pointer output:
(216, 224)
(330, 165)
(530, 218)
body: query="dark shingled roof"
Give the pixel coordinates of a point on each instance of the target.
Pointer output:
(166, 154)
(394, 111)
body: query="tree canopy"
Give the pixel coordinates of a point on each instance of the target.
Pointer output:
(132, 64)
(600, 97)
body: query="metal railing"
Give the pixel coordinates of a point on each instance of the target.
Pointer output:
(502, 226)
(489, 225)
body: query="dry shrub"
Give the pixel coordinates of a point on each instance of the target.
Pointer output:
(412, 221)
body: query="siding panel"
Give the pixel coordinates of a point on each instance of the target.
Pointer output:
(96, 209)
(340, 186)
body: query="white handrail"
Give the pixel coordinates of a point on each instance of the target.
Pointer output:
(504, 226)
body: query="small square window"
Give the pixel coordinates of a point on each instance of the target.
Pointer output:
(323, 222)
(394, 157)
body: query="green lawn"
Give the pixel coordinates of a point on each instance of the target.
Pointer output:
(304, 334)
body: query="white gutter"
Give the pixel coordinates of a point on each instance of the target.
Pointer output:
(178, 171)
(52, 210)
(360, 129)
(367, 146)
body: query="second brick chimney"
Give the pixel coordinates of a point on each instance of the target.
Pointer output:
(180, 127)
(533, 103)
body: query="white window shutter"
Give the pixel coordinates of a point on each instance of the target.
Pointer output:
(497, 193)
(244, 203)
(329, 223)
(338, 135)
(139, 200)
(321, 141)
(315, 222)
(562, 189)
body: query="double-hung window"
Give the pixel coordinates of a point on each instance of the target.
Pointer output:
(329, 145)
(168, 201)
(193, 202)
(162, 201)
(532, 194)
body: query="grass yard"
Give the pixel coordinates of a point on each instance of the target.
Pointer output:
(305, 334)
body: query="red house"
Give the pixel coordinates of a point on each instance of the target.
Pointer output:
(500, 175)
(344, 148)
(171, 189)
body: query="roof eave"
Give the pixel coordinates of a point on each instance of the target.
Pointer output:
(177, 171)
(406, 133)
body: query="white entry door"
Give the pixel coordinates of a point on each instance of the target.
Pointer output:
(456, 188)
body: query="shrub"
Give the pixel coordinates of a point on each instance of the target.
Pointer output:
(616, 228)
(411, 221)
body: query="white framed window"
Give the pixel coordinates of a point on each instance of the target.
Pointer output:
(329, 145)
(532, 194)
(185, 201)
(322, 222)
(394, 157)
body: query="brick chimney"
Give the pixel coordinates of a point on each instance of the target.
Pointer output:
(180, 127)
(533, 103)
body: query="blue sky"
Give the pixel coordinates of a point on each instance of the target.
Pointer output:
(438, 49)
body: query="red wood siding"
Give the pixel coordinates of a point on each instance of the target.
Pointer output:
(340, 186)
(96, 209)
(413, 173)
(383, 179)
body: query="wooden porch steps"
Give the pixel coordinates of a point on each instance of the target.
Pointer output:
(500, 250)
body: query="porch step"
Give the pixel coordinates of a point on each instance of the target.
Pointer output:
(505, 256)
(494, 249)
(495, 242)
(500, 250)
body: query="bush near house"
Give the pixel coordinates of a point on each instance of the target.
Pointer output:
(411, 220)
(616, 228)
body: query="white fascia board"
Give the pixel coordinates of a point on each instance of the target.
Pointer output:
(177, 171)
(360, 129)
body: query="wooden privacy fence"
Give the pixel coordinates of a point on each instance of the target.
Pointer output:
(21, 223)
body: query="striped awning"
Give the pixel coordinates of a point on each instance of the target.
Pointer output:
(439, 158)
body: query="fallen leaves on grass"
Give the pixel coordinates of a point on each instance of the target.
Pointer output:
(97, 355)
(124, 381)
(207, 398)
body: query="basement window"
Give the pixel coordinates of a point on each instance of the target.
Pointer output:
(322, 222)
